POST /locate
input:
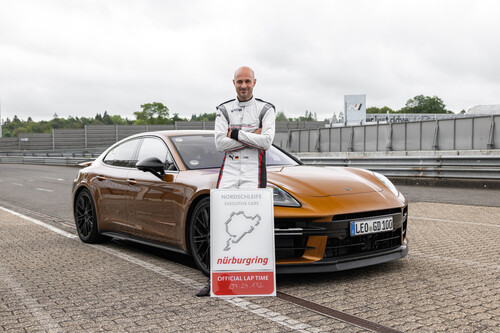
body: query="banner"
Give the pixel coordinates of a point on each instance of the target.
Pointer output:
(242, 259)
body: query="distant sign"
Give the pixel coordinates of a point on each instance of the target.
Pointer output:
(25, 139)
(242, 243)
(355, 108)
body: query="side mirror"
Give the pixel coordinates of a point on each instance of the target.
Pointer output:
(153, 165)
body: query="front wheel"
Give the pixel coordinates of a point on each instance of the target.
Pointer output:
(199, 235)
(86, 219)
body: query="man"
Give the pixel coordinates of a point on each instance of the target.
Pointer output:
(244, 129)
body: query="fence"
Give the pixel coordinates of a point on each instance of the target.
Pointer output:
(473, 133)
(96, 136)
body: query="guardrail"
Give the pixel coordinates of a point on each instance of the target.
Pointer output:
(464, 167)
(454, 164)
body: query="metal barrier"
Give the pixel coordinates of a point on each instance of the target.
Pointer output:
(464, 167)
(446, 134)
(95, 136)
(453, 164)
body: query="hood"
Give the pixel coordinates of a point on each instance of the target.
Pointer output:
(322, 181)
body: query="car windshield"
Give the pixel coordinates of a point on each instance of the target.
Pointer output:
(199, 152)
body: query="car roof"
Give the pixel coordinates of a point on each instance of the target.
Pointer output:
(169, 133)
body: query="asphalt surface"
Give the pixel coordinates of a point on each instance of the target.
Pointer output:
(51, 282)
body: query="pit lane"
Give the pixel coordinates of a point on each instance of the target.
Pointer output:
(448, 282)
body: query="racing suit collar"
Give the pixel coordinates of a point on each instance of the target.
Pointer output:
(247, 103)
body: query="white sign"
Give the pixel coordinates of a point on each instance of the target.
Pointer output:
(355, 108)
(242, 243)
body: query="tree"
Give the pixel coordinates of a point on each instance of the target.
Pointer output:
(152, 113)
(204, 117)
(106, 119)
(176, 117)
(308, 116)
(375, 109)
(424, 104)
(280, 116)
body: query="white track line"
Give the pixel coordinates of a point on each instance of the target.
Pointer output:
(453, 221)
(43, 189)
(40, 223)
(17, 184)
(59, 179)
(256, 309)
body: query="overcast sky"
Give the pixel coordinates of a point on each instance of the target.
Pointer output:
(79, 58)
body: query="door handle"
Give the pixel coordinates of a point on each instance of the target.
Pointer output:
(99, 177)
(131, 181)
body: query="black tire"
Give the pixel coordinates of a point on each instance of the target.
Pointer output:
(86, 219)
(199, 235)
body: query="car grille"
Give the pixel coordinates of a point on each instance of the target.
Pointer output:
(291, 236)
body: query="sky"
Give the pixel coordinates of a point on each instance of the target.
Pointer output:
(83, 57)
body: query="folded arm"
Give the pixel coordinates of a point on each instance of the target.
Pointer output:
(222, 141)
(262, 138)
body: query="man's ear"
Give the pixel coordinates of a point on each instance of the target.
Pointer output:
(234, 82)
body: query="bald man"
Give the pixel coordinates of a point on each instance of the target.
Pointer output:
(244, 130)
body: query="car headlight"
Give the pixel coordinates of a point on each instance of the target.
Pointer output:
(282, 198)
(387, 183)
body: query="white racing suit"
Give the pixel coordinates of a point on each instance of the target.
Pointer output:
(244, 164)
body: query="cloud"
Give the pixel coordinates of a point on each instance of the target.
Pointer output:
(80, 58)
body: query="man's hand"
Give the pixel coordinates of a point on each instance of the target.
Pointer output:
(258, 131)
(228, 133)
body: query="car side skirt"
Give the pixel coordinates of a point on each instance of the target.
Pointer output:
(140, 240)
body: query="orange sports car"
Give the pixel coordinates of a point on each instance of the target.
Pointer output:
(154, 188)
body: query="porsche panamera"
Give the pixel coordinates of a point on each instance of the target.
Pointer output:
(154, 188)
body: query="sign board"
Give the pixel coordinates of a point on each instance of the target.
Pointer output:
(355, 108)
(242, 259)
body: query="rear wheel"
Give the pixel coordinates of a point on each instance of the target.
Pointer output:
(86, 218)
(199, 235)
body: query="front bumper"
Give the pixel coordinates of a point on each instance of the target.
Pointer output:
(332, 265)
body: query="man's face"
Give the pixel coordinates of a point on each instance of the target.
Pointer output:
(244, 82)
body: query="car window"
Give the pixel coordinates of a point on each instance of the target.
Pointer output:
(122, 155)
(152, 147)
(276, 157)
(199, 152)
(155, 147)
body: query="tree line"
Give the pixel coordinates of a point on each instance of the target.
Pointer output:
(158, 113)
(417, 104)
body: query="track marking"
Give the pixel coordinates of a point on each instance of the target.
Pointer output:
(40, 223)
(43, 189)
(453, 221)
(59, 179)
(256, 309)
(17, 184)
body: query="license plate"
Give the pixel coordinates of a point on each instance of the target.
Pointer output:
(371, 226)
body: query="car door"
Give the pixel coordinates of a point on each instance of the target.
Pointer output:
(111, 181)
(151, 202)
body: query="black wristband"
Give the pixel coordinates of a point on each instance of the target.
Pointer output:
(234, 134)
